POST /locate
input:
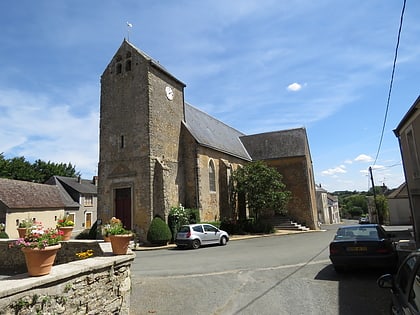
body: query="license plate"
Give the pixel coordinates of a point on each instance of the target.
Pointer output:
(357, 249)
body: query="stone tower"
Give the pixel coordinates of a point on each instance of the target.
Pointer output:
(141, 112)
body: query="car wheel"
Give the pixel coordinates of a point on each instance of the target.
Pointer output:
(195, 244)
(223, 240)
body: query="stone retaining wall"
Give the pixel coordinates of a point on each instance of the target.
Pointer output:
(96, 285)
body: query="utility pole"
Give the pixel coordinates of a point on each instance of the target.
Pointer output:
(378, 213)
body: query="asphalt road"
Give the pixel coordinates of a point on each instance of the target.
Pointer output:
(288, 274)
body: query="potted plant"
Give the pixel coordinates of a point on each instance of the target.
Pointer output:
(105, 232)
(119, 236)
(65, 225)
(40, 247)
(23, 226)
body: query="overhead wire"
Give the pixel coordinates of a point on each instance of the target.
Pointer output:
(391, 82)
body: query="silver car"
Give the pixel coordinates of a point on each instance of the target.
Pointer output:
(196, 235)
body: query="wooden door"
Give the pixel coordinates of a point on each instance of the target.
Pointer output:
(123, 206)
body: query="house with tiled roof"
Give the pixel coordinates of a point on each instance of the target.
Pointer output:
(21, 200)
(157, 151)
(80, 198)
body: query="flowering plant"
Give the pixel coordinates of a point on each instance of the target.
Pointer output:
(26, 224)
(114, 227)
(38, 237)
(65, 221)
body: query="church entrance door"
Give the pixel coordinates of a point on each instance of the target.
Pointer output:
(123, 206)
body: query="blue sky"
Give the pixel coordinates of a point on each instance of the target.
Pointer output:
(258, 66)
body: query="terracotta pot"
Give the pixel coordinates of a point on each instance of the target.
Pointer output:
(107, 239)
(66, 232)
(22, 232)
(39, 261)
(119, 243)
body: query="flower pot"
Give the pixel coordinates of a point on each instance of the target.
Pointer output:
(22, 232)
(107, 239)
(66, 232)
(39, 261)
(119, 243)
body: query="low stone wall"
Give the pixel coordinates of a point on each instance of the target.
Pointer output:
(97, 285)
(12, 260)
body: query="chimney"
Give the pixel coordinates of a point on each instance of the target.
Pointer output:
(95, 180)
(79, 179)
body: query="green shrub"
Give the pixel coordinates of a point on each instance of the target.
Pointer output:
(159, 232)
(3, 234)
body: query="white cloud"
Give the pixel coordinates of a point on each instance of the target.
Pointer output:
(348, 161)
(363, 158)
(38, 127)
(336, 170)
(294, 87)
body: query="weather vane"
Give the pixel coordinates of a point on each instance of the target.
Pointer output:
(129, 25)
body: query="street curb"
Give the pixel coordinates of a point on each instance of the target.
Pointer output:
(232, 238)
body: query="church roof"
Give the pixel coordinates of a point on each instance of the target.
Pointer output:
(277, 144)
(212, 133)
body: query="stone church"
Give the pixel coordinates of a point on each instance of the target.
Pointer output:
(157, 151)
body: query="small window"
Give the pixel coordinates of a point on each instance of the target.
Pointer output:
(88, 201)
(212, 176)
(128, 54)
(198, 228)
(128, 65)
(119, 68)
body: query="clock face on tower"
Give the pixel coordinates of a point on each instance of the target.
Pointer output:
(169, 93)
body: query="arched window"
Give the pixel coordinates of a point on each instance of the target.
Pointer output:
(119, 68)
(212, 176)
(128, 65)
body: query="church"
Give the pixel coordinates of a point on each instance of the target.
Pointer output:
(157, 151)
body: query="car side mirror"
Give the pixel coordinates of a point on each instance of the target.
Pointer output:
(386, 281)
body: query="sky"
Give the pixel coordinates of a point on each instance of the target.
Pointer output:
(258, 66)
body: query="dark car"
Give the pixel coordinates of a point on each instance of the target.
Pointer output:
(363, 246)
(405, 286)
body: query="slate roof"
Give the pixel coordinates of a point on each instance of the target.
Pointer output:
(16, 194)
(83, 186)
(277, 144)
(212, 133)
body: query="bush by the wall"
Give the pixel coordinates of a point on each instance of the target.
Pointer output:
(3, 234)
(159, 232)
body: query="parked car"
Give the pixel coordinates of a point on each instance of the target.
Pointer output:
(196, 235)
(364, 220)
(363, 246)
(405, 286)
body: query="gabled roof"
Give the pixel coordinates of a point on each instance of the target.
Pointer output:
(399, 193)
(277, 144)
(16, 194)
(213, 133)
(83, 186)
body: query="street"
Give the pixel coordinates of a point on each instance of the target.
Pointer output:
(289, 274)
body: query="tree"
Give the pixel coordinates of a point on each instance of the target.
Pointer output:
(20, 169)
(262, 187)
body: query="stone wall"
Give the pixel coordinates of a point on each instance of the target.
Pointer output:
(97, 285)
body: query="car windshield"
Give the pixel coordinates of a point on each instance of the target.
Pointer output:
(370, 233)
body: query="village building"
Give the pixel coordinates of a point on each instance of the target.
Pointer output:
(27, 201)
(408, 134)
(157, 151)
